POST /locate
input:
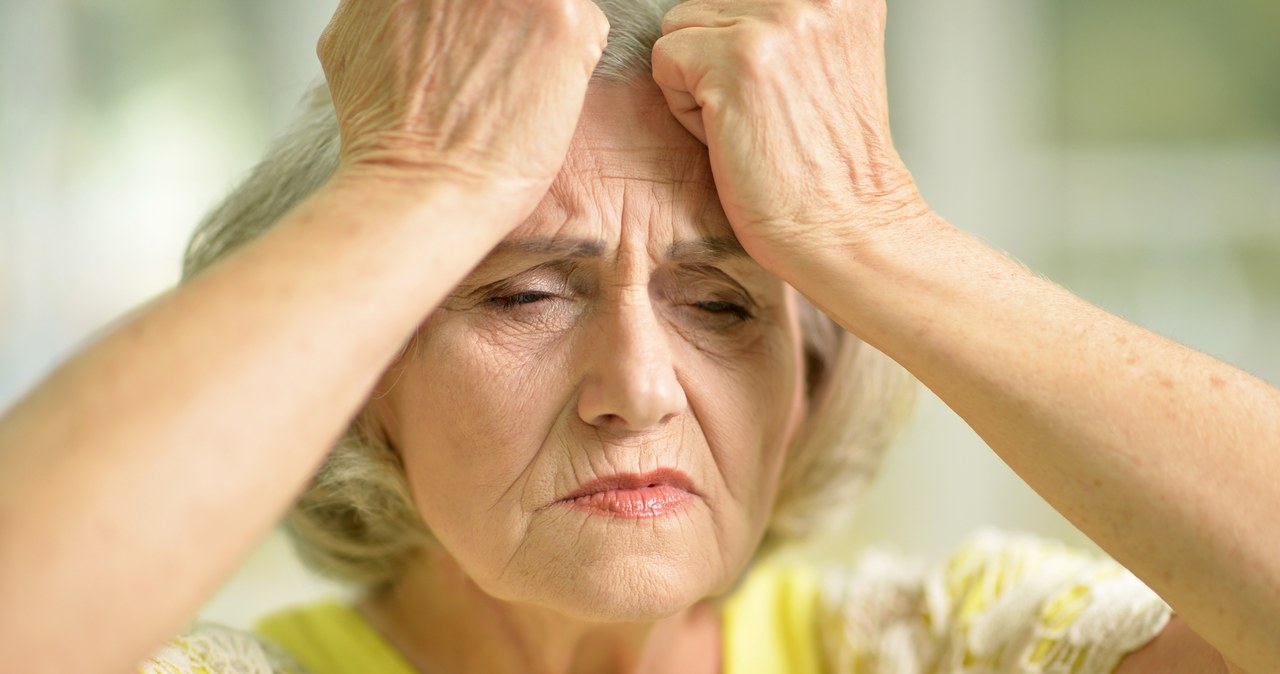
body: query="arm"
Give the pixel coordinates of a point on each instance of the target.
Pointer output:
(168, 449)
(1165, 457)
(136, 476)
(1177, 650)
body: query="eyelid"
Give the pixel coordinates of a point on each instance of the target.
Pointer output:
(708, 275)
(550, 277)
(536, 285)
(569, 277)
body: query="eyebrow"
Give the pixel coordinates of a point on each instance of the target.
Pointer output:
(713, 248)
(548, 246)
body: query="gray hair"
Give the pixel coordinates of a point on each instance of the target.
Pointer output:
(357, 522)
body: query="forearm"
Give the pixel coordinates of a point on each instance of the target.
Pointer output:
(1165, 457)
(137, 476)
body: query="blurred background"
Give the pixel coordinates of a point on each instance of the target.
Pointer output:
(1129, 151)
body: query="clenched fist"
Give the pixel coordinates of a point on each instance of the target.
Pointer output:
(789, 96)
(484, 91)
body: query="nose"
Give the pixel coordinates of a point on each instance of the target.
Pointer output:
(630, 381)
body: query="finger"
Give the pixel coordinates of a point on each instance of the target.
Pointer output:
(600, 25)
(680, 65)
(687, 112)
(699, 14)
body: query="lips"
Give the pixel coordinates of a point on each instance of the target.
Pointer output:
(631, 495)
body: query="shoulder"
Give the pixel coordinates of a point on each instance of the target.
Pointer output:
(214, 649)
(1000, 603)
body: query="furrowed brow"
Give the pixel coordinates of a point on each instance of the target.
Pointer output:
(710, 248)
(549, 246)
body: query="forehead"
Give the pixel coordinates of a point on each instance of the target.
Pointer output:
(632, 175)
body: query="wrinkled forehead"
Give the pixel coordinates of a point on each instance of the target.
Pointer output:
(633, 175)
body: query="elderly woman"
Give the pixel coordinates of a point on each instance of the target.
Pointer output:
(555, 301)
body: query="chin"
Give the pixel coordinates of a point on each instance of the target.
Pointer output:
(623, 578)
(632, 590)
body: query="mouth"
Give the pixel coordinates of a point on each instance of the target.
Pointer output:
(634, 495)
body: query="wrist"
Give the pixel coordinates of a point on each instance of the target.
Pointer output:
(859, 239)
(849, 215)
(489, 202)
(875, 277)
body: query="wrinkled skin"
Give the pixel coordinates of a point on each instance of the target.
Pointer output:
(456, 116)
(790, 98)
(542, 372)
(582, 369)
(615, 356)
(439, 89)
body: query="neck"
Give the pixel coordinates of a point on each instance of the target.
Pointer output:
(440, 621)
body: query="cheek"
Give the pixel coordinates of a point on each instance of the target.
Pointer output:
(471, 419)
(749, 411)
(485, 419)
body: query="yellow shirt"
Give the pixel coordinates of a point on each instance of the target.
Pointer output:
(768, 626)
(1001, 604)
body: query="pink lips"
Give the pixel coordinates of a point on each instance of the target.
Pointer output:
(631, 495)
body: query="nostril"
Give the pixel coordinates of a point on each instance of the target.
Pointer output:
(612, 421)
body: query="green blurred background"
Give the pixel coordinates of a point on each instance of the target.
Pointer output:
(1130, 151)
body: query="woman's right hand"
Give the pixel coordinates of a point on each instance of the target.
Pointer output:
(168, 447)
(484, 91)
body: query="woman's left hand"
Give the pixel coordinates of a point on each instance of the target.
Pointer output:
(1163, 456)
(789, 96)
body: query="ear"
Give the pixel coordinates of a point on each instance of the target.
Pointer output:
(380, 413)
(820, 341)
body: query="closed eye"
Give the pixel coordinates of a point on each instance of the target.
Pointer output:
(728, 308)
(519, 299)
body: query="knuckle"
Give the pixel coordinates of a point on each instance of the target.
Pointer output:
(796, 18)
(599, 23)
(572, 22)
(664, 49)
(753, 51)
(677, 16)
(324, 46)
(669, 57)
(781, 14)
(562, 17)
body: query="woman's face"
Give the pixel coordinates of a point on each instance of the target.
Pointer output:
(596, 418)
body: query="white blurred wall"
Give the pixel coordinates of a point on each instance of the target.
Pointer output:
(121, 121)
